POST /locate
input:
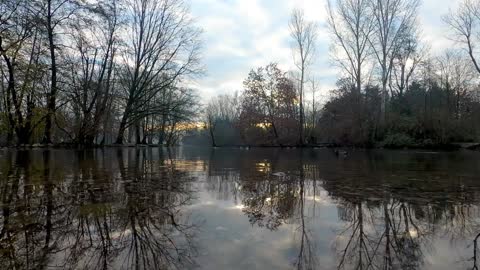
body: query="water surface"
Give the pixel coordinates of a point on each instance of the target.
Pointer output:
(201, 208)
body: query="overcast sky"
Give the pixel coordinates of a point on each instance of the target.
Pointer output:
(242, 34)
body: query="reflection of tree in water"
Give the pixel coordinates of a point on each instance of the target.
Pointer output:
(271, 195)
(378, 236)
(269, 202)
(279, 199)
(475, 251)
(389, 220)
(28, 213)
(306, 256)
(109, 211)
(391, 227)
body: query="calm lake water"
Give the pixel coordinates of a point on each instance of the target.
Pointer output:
(201, 208)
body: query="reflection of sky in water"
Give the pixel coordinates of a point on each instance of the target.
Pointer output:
(256, 209)
(229, 241)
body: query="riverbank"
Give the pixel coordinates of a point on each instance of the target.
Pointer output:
(438, 147)
(73, 146)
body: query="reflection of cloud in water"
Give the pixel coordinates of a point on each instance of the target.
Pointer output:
(118, 235)
(204, 203)
(413, 233)
(238, 206)
(320, 199)
(235, 244)
(220, 228)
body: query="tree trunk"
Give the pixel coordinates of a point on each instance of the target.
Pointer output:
(150, 134)
(161, 135)
(23, 136)
(383, 105)
(137, 133)
(301, 139)
(51, 103)
(121, 131)
(457, 106)
(144, 135)
(18, 125)
(212, 136)
(144, 130)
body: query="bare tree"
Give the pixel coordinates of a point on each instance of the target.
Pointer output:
(464, 23)
(61, 68)
(20, 51)
(456, 76)
(392, 18)
(54, 13)
(351, 24)
(224, 108)
(315, 106)
(15, 29)
(407, 58)
(211, 114)
(304, 34)
(163, 49)
(183, 109)
(92, 64)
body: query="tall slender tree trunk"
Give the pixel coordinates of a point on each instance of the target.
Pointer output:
(358, 79)
(302, 121)
(150, 133)
(383, 105)
(144, 130)
(51, 103)
(11, 121)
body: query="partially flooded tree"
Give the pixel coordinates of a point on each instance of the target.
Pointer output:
(211, 112)
(182, 108)
(53, 15)
(304, 34)
(223, 110)
(162, 50)
(92, 66)
(18, 42)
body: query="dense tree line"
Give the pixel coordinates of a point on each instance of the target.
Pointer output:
(96, 72)
(392, 91)
(117, 71)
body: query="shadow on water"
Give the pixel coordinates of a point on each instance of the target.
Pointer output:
(136, 208)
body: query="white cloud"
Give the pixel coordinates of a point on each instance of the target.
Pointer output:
(243, 34)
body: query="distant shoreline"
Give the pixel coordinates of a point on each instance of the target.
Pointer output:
(439, 147)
